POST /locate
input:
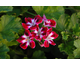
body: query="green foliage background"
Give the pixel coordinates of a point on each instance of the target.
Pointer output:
(68, 28)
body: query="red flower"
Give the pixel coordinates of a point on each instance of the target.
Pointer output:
(39, 33)
(26, 40)
(49, 38)
(49, 22)
(32, 23)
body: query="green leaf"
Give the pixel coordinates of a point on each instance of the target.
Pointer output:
(7, 56)
(11, 43)
(77, 43)
(78, 14)
(49, 11)
(3, 51)
(24, 8)
(64, 35)
(39, 55)
(16, 11)
(74, 19)
(8, 25)
(76, 53)
(5, 8)
(67, 47)
(62, 22)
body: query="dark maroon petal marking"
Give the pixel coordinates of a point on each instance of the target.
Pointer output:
(24, 46)
(33, 27)
(44, 37)
(46, 44)
(28, 19)
(32, 44)
(38, 38)
(54, 35)
(43, 34)
(27, 32)
(49, 31)
(46, 23)
(33, 34)
(38, 19)
(53, 23)
(44, 29)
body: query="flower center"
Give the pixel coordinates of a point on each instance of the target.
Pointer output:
(47, 21)
(33, 22)
(26, 39)
(39, 32)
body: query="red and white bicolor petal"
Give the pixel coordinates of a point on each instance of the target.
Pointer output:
(52, 42)
(52, 23)
(47, 42)
(38, 19)
(28, 19)
(27, 33)
(20, 39)
(26, 40)
(32, 44)
(25, 26)
(24, 46)
(49, 22)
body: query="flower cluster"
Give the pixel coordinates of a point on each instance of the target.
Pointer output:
(33, 31)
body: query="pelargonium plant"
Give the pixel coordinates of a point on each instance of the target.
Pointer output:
(44, 33)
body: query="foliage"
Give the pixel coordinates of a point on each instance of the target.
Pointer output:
(3, 51)
(68, 28)
(9, 24)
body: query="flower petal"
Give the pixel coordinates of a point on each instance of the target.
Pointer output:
(34, 27)
(47, 22)
(24, 46)
(52, 42)
(54, 35)
(28, 19)
(52, 23)
(33, 34)
(46, 44)
(32, 44)
(25, 26)
(27, 32)
(49, 31)
(44, 37)
(20, 39)
(44, 17)
(37, 37)
(38, 19)
(44, 29)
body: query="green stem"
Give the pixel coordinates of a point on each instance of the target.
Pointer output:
(31, 13)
